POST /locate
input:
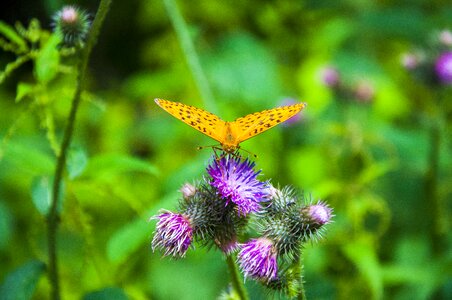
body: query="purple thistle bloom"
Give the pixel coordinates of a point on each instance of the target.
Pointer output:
(443, 67)
(257, 259)
(235, 181)
(319, 214)
(173, 234)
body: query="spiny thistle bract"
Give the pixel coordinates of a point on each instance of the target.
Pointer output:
(73, 25)
(216, 211)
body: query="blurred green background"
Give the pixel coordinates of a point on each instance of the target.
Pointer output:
(373, 162)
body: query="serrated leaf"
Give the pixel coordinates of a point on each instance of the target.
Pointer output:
(46, 65)
(76, 163)
(117, 163)
(12, 35)
(23, 90)
(41, 192)
(107, 294)
(21, 283)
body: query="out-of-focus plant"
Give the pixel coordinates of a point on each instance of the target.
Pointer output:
(33, 43)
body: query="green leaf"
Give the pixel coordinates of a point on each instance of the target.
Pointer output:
(117, 163)
(76, 163)
(23, 90)
(363, 254)
(6, 225)
(12, 35)
(127, 240)
(243, 70)
(28, 157)
(113, 293)
(21, 283)
(41, 192)
(46, 65)
(135, 234)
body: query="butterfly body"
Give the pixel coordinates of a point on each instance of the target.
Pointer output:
(229, 134)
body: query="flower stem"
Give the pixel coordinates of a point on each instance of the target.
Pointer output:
(237, 283)
(190, 54)
(52, 217)
(298, 265)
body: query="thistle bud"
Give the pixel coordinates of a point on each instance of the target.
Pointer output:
(73, 25)
(188, 190)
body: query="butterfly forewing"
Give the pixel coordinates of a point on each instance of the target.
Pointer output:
(201, 120)
(254, 124)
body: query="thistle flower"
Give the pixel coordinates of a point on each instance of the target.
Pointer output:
(330, 77)
(257, 259)
(73, 25)
(173, 234)
(235, 181)
(443, 68)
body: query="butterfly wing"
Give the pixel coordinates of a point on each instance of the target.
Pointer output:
(253, 124)
(201, 120)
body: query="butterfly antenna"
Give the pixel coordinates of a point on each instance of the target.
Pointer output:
(249, 152)
(215, 148)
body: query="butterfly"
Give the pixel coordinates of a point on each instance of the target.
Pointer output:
(229, 134)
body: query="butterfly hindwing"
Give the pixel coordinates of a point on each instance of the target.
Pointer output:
(201, 120)
(256, 123)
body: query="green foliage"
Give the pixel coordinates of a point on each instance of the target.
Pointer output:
(22, 282)
(373, 162)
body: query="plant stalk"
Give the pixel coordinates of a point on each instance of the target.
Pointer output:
(52, 217)
(236, 281)
(191, 56)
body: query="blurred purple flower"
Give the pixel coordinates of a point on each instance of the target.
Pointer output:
(364, 91)
(445, 37)
(236, 181)
(173, 234)
(410, 61)
(443, 67)
(257, 259)
(330, 76)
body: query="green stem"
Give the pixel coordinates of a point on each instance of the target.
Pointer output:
(299, 268)
(190, 54)
(236, 281)
(53, 218)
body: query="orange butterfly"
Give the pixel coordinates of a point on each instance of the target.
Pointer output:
(230, 134)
